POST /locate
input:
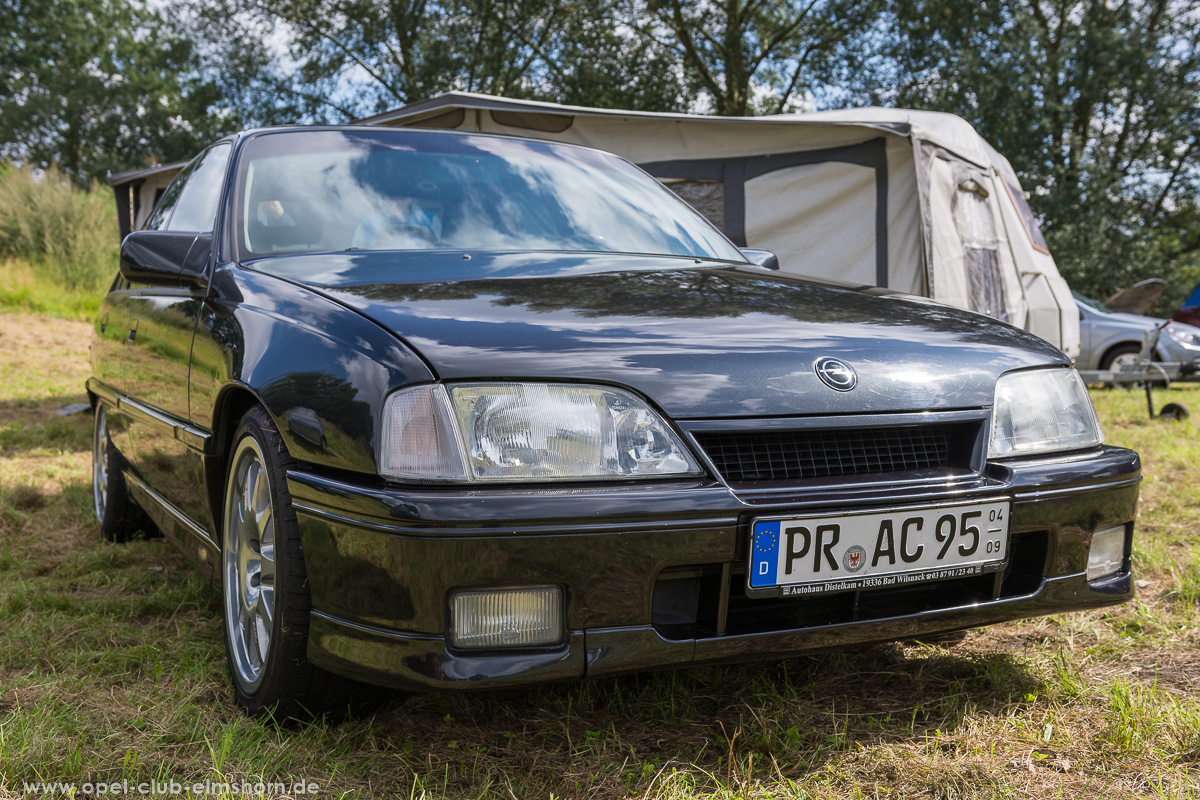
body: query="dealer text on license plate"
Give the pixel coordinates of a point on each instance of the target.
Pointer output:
(867, 550)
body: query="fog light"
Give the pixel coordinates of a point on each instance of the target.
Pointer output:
(1107, 552)
(498, 618)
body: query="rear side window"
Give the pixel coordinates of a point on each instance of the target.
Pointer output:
(167, 200)
(196, 208)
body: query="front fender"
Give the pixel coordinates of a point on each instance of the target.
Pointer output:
(320, 369)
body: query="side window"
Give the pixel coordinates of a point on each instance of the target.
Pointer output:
(196, 208)
(167, 200)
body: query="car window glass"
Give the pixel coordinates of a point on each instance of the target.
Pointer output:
(321, 191)
(1094, 305)
(167, 200)
(196, 209)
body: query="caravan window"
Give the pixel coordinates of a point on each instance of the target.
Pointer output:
(1025, 212)
(707, 197)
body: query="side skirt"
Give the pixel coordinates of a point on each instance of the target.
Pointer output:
(190, 538)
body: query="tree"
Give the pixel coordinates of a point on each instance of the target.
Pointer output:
(1097, 105)
(97, 86)
(352, 58)
(752, 56)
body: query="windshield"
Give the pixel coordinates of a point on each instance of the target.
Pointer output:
(1094, 305)
(320, 191)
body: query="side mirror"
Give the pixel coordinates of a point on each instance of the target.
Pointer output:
(165, 258)
(762, 258)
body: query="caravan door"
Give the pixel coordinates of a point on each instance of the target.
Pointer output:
(970, 264)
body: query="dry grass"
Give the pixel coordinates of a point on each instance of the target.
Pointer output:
(111, 667)
(66, 233)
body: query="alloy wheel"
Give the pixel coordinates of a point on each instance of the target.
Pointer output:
(1124, 361)
(100, 464)
(249, 564)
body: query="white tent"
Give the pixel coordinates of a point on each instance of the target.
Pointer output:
(915, 201)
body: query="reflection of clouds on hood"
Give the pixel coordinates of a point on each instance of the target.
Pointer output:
(560, 363)
(363, 371)
(677, 388)
(750, 332)
(691, 388)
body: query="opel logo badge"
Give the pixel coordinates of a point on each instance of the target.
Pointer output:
(836, 374)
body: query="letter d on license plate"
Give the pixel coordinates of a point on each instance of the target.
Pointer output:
(873, 549)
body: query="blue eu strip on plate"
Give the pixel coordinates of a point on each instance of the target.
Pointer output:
(766, 553)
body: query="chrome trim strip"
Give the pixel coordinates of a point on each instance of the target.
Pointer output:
(376, 631)
(834, 421)
(193, 437)
(145, 413)
(1105, 486)
(448, 533)
(102, 390)
(175, 513)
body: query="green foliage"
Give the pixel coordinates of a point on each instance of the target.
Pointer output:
(98, 86)
(67, 235)
(738, 57)
(744, 57)
(1095, 105)
(353, 59)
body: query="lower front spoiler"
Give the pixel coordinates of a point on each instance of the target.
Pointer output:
(406, 661)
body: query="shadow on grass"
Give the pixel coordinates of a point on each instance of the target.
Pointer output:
(714, 728)
(131, 624)
(31, 424)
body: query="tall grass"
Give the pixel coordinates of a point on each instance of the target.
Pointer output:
(67, 235)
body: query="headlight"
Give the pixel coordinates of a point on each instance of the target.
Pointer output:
(1041, 411)
(526, 432)
(1191, 338)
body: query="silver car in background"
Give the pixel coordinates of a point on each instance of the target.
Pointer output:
(1111, 340)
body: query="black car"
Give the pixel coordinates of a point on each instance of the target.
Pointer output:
(447, 410)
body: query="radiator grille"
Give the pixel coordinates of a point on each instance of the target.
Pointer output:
(743, 457)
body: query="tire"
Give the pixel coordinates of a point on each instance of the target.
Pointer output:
(1116, 355)
(264, 589)
(119, 517)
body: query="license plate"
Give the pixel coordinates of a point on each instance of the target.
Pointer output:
(873, 549)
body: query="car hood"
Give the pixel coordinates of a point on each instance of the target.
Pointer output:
(1138, 321)
(701, 342)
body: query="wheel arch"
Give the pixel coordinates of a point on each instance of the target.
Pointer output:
(1110, 348)
(232, 403)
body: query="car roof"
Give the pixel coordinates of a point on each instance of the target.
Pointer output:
(386, 131)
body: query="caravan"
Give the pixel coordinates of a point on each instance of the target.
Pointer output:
(913, 201)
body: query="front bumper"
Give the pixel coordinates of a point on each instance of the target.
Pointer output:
(653, 572)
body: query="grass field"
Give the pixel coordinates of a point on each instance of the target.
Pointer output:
(112, 668)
